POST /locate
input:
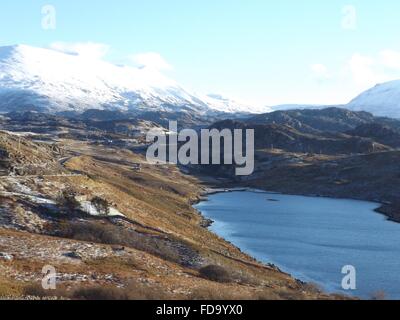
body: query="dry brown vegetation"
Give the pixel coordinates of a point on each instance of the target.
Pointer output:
(107, 233)
(10, 288)
(159, 245)
(215, 273)
(133, 291)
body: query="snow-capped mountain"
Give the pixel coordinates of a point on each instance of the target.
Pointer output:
(47, 80)
(224, 104)
(381, 100)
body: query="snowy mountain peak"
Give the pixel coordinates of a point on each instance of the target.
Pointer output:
(381, 100)
(224, 104)
(47, 80)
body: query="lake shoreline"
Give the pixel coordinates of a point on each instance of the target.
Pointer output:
(383, 209)
(208, 191)
(282, 266)
(386, 209)
(207, 223)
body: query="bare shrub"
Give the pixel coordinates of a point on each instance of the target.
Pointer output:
(36, 290)
(90, 231)
(107, 233)
(134, 291)
(67, 202)
(102, 206)
(215, 273)
(100, 293)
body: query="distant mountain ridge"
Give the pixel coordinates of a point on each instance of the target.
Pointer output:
(50, 81)
(285, 137)
(382, 100)
(331, 119)
(43, 80)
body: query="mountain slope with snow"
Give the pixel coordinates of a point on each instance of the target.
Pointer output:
(47, 80)
(381, 100)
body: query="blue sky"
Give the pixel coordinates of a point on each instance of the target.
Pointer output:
(259, 51)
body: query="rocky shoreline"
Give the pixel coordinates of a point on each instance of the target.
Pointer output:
(390, 211)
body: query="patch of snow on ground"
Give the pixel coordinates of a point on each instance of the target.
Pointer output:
(21, 190)
(90, 209)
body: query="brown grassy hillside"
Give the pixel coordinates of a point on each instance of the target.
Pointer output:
(157, 250)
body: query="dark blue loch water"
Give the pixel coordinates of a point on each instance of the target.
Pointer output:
(312, 238)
